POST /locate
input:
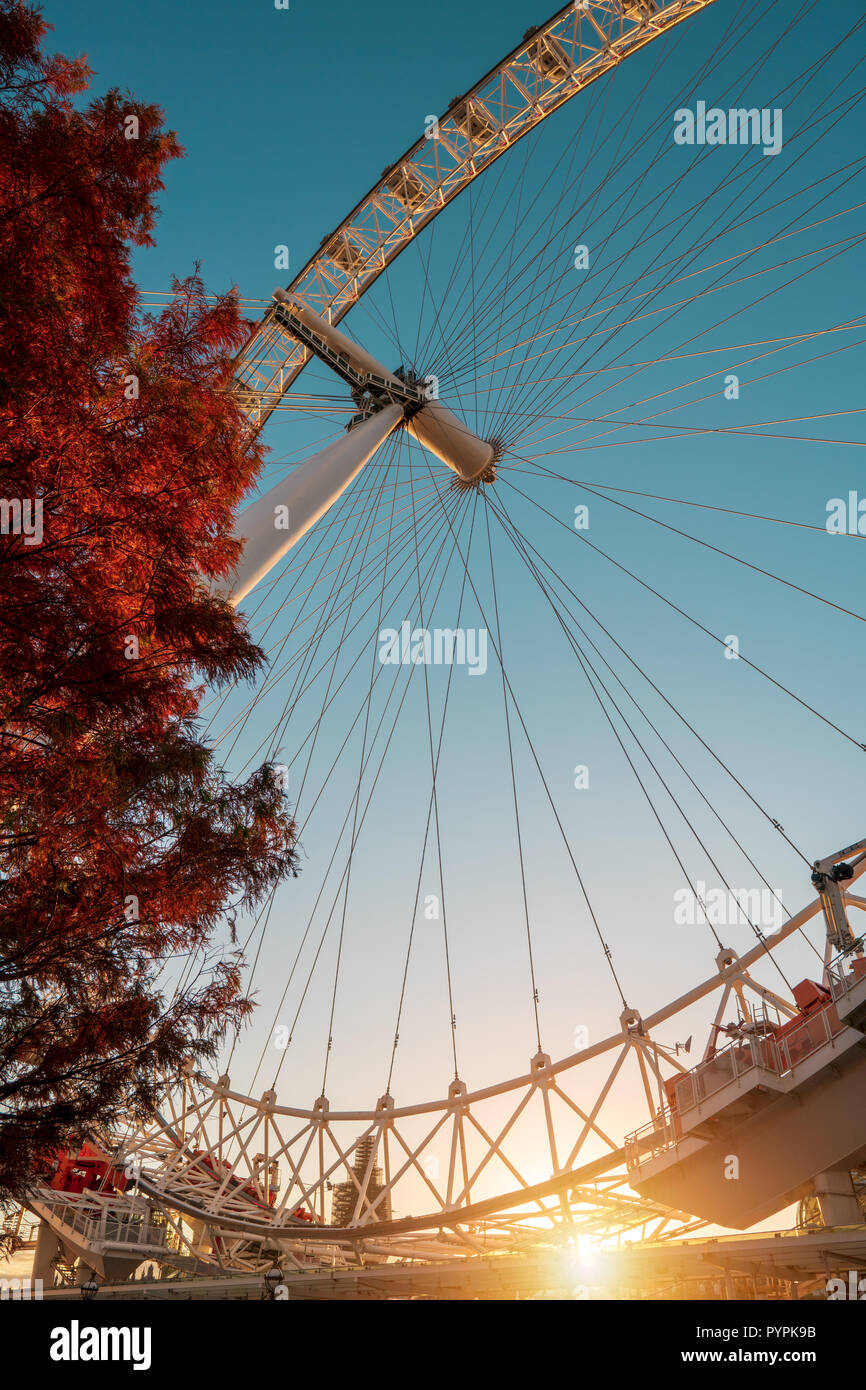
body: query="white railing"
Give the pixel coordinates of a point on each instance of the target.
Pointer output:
(111, 1225)
(758, 1052)
(842, 973)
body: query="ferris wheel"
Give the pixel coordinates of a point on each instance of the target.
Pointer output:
(478, 599)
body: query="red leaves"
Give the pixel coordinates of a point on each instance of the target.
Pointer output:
(121, 840)
(25, 72)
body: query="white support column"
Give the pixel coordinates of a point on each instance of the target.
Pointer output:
(277, 521)
(434, 426)
(47, 1246)
(837, 1198)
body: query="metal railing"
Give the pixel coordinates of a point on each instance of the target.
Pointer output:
(842, 977)
(729, 1064)
(759, 1052)
(650, 1140)
(114, 1226)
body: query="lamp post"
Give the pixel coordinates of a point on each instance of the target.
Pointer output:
(273, 1279)
(89, 1290)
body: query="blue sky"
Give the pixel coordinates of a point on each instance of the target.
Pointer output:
(287, 119)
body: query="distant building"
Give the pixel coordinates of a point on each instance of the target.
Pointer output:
(346, 1194)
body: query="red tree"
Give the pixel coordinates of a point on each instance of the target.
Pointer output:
(124, 456)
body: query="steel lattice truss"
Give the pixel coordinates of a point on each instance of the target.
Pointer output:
(554, 63)
(212, 1159)
(214, 1153)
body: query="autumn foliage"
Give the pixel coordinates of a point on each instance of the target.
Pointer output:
(123, 457)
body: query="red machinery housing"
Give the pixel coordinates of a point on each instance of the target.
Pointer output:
(87, 1170)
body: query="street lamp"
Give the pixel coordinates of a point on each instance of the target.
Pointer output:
(89, 1290)
(273, 1279)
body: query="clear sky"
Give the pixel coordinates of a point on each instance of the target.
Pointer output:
(751, 264)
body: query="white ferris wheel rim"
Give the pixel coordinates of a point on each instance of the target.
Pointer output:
(510, 101)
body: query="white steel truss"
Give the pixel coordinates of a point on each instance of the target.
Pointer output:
(252, 1169)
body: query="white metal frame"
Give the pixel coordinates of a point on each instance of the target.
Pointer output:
(209, 1155)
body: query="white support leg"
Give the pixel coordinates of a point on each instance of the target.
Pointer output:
(434, 425)
(837, 1199)
(47, 1246)
(277, 521)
